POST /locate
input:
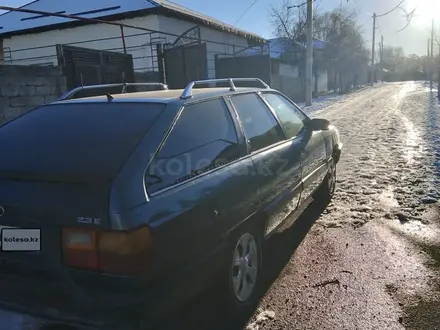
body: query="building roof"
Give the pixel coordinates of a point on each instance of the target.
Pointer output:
(206, 20)
(15, 23)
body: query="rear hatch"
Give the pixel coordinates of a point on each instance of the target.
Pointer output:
(56, 167)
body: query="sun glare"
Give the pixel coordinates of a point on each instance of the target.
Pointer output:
(426, 10)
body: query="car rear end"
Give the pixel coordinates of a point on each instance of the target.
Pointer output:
(58, 163)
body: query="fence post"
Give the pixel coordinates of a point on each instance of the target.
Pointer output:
(215, 65)
(160, 59)
(123, 39)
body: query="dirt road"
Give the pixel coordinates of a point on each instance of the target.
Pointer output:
(371, 259)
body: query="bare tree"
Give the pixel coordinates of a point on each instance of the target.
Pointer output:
(286, 22)
(344, 52)
(393, 58)
(290, 21)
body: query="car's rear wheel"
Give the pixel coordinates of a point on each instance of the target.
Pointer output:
(244, 270)
(327, 189)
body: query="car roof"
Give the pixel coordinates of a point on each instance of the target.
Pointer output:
(163, 96)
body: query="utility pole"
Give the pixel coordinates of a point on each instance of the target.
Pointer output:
(432, 56)
(373, 50)
(381, 58)
(380, 47)
(428, 55)
(429, 42)
(309, 50)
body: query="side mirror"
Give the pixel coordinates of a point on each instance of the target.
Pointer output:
(318, 124)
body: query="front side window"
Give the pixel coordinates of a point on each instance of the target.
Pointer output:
(203, 138)
(259, 124)
(290, 118)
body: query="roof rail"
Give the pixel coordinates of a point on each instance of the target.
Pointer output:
(187, 92)
(72, 92)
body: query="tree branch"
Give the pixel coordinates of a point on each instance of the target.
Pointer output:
(283, 23)
(390, 11)
(300, 5)
(408, 16)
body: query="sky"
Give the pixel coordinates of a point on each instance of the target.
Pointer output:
(413, 39)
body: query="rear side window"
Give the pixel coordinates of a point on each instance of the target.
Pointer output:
(203, 138)
(83, 139)
(259, 124)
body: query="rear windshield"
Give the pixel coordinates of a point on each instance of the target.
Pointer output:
(84, 138)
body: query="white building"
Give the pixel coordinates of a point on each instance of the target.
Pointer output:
(31, 39)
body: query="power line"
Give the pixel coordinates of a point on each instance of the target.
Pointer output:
(301, 4)
(244, 13)
(408, 17)
(390, 11)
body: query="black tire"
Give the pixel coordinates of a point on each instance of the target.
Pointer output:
(231, 298)
(327, 189)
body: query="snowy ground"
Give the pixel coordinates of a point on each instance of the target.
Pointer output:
(391, 141)
(371, 260)
(322, 103)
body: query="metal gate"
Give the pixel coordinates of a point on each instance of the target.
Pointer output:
(84, 66)
(185, 59)
(251, 62)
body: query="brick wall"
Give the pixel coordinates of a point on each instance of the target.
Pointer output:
(22, 88)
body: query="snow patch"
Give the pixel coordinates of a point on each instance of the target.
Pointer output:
(261, 319)
(387, 198)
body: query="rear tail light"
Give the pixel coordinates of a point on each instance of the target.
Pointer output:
(125, 252)
(79, 247)
(119, 252)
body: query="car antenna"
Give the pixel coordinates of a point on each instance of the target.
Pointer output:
(109, 97)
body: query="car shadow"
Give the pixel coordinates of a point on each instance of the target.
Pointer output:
(206, 313)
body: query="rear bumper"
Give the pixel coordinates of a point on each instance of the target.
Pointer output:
(124, 308)
(66, 303)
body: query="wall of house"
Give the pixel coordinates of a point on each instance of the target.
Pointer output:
(287, 79)
(288, 70)
(39, 48)
(220, 42)
(25, 87)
